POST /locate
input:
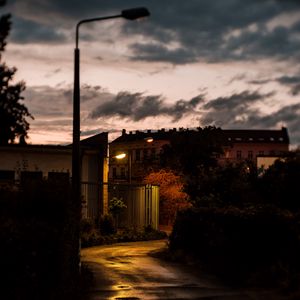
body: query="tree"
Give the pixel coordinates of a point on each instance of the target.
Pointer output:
(13, 113)
(280, 183)
(192, 152)
(172, 196)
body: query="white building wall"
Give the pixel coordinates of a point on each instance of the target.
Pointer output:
(45, 162)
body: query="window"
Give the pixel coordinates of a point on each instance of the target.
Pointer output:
(239, 154)
(7, 175)
(250, 154)
(122, 172)
(138, 154)
(153, 153)
(145, 153)
(114, 172)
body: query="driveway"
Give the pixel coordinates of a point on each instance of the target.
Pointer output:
(126, 271)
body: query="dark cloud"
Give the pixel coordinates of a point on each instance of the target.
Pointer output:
(213, 31)
(239, 112)
(259, 81)
(154, 52)
(137, 106)
(26, 31)
(236, 101)
(288, 80)
(291, 81)
(232, 109)
(177, 32)
(52, 108)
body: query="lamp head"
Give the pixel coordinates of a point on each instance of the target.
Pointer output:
(135, 13)
(120, 156)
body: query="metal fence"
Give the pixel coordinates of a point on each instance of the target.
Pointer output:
(142, 203)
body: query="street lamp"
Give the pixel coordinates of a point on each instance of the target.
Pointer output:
(129, 14)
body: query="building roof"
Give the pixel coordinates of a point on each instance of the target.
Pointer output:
(230, 135)
(36, 148)
(257, 136)
(98, 142)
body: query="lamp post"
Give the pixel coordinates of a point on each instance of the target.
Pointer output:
(129, 14)
(129, 162)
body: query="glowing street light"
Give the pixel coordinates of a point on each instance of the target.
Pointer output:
(120, 156)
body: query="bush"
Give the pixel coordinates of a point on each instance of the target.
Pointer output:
(146, 234)
(107, 225)
(241, 245)
(39, 241)
(89, 234)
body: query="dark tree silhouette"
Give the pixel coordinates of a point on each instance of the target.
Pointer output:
(13, 113)
(193, 153)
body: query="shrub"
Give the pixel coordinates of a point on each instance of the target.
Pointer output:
(106, 225)
(239, 245)
(39, 241)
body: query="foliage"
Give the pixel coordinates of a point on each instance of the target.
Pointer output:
(116, 206)
(230, 184)
(89, 234)
(172, 197)
(39, 243)
(188, 150)
(148, 233)
(13, 114)
(193, 152)
(5, 25)
(92, 235)
(245, 246)
(106, 225)
(279, 184)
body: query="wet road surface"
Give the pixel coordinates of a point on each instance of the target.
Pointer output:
(126, 271)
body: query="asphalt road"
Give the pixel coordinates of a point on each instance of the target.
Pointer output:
(126, 271)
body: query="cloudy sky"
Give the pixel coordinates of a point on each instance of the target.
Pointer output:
(230, 63)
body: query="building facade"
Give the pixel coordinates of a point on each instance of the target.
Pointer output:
(36, 162)
(142, 149)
